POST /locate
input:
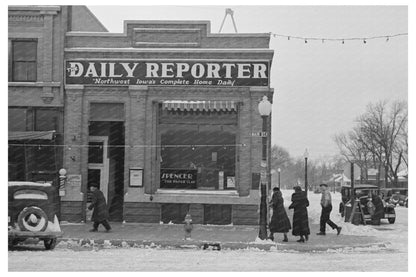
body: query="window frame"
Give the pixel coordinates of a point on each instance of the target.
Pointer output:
(12, 75)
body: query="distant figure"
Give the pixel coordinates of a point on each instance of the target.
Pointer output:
(100, 213)
(326, 204)
(300, 214)
(378, 209)
(280, 222)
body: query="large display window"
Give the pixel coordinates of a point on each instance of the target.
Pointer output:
(198, 147)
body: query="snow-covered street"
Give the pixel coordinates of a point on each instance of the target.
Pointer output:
(198, 260)
(394, 257)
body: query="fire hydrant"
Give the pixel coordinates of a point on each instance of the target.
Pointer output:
(188, 226)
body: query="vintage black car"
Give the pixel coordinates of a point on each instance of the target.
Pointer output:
(364, 193)
(399, 196)
(33, 209)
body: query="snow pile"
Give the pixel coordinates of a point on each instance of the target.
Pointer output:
(260, 241)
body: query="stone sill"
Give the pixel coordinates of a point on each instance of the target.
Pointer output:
(197, 192)
(34, 84)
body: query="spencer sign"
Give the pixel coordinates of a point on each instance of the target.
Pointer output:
(167, 73)
(178, 178)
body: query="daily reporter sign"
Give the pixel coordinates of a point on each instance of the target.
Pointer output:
(167, 73)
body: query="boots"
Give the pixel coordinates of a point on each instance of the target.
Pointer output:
(285, 238)
(301, 239)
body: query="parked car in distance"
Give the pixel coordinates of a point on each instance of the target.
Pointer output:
(399, 196)
(364, 193)
(33, 209)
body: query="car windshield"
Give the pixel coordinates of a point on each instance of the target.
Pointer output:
(30, 194)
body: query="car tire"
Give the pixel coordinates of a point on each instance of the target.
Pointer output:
(392, 220)
(49, 244)
(25, 225)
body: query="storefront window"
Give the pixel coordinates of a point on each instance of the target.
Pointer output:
(198, 149)
(34, 158)
(18, 119)
(46, 119)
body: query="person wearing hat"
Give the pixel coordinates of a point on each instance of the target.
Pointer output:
(280, 221)
(326, 204)
(100, 213)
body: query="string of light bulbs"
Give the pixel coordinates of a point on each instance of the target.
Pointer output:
(70, 146)
(341, 40)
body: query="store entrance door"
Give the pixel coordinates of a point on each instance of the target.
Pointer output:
(98, 164)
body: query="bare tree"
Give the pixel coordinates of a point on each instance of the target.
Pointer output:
(280, 157)
(380, 138)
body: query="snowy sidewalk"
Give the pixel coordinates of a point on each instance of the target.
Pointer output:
(229, 237)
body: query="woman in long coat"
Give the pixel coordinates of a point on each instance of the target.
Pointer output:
(300, 214)
(280, 221)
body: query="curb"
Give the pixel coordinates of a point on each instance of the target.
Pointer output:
(73, 243)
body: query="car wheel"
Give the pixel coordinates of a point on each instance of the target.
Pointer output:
(32, 219)
(49, 244)
(392, 220)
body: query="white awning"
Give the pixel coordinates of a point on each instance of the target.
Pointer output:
(199, 105)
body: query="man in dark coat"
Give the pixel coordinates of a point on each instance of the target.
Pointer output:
(280, 222)
(378, 209)
(300, 214)
(326, 204)
(100, 213)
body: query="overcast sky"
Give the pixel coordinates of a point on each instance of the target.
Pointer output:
(320, 88)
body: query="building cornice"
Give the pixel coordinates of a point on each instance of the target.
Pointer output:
(171, 50)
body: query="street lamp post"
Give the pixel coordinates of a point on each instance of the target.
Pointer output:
(278, 176)
(306, 155)
(264, 109)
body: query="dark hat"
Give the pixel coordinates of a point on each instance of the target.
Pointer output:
(276, 189)
(323, 185)
(297, 188)
(94, 185)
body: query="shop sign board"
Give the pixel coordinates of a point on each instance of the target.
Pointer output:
(136, 177)
(259, 134)
(223, 73)
(178, 178)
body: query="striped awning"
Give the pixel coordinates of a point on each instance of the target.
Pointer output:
(199, 105)
(31, 135)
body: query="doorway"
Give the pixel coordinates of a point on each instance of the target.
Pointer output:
(106, 163)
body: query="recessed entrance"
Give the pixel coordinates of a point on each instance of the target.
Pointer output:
(106, 163)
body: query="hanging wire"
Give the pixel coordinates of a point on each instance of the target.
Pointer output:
(342, 40)
(69, 147)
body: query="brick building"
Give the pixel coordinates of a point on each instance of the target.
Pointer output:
(161, 116)
(36, 38)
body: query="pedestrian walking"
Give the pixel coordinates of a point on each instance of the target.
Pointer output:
(100, 213)
(326, 204)
(300, 214)
(280, 221)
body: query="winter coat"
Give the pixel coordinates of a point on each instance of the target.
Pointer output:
(300, 214)
(326, 200)
(280, 221)
(378, 208)
(99, 205)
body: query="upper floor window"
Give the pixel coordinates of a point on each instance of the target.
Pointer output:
(24, 60)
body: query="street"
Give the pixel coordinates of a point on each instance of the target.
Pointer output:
(394, 257)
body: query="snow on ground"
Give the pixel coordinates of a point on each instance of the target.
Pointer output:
(198, 260)
(314, 212)
(368, 259)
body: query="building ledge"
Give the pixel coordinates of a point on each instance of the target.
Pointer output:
(34, 84)
(197, 192)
